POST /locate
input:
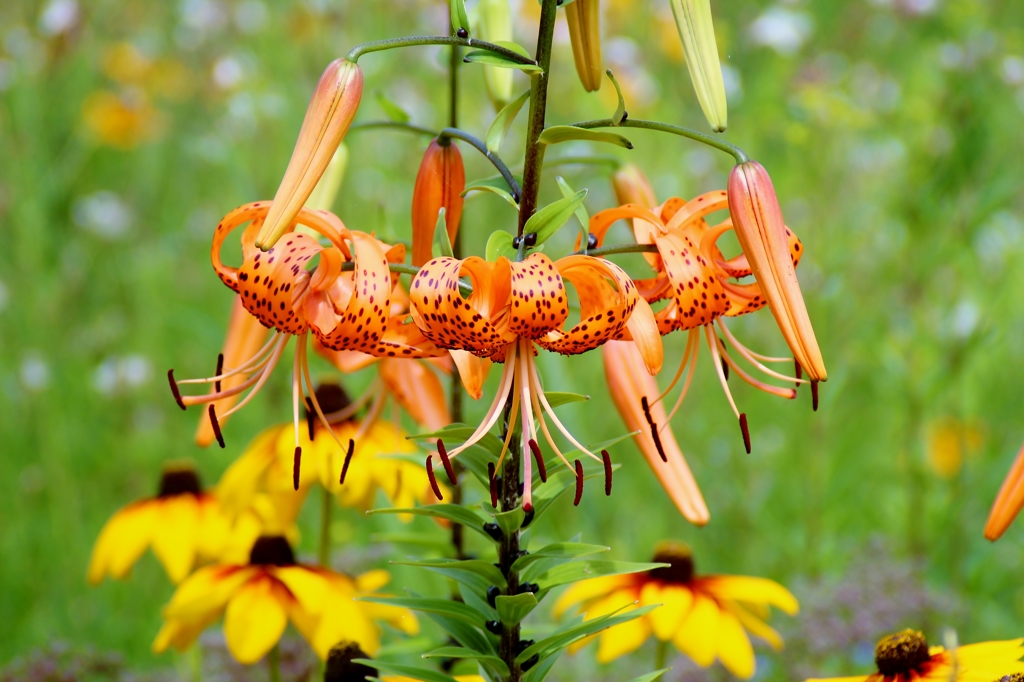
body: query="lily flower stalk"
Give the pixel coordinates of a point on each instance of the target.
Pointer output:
(584, 19)
(697, 31)
(439, 184)
(515, 307)
(328, 118)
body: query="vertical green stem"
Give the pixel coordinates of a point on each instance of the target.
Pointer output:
(325, 529)
(508, 552)
(534, 158)
(661, 654)
(274, 664)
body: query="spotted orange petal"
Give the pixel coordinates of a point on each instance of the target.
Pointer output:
(539, 303)
(696, 290)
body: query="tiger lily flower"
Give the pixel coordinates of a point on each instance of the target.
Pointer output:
(1008, 502)
(343, 309)
(439, 184)
(631, 387)
(328, 118)
(695, 278)
(514, 307)
(584, 19)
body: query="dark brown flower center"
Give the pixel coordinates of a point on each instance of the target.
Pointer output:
(179, 482)
(272, 550)
(680, 564)
(340, 665)
(332, 398)
(901, 653)
(1012, 677)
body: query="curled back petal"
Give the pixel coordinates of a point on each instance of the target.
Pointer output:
(600, 222)
(750, 589)
(472, 370)
(642, 329)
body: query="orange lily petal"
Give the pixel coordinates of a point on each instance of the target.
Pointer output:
(472, 370)
(762, 235)
(697, 291)
(328, 117)
(538, 297)
(1008, 502)
(418, 390)
(629, 383)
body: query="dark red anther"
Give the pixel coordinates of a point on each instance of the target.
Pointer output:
(216, 426)
(579, 484)
(798, 370)
(746, 431)
(443, 454)
(310, 417)
(607, 472)
(655, 434)
(220, 368)
(296, 467)
(541, 469)
(174, 389)
(725, 369)
(814, 395)
(348, 460)
(433, 481)
(527, 507)
(493, 483)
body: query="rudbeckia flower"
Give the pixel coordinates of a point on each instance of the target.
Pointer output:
(700, 286)
(354, 473)
(183, 525)
(344, 303)
(705, 617)
(259, 598)
(513, 308)
(906, 657)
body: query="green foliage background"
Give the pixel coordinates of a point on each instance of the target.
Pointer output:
(893, 134)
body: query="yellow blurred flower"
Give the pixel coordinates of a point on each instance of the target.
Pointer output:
(705, 617)
(259, 597)
(183, 525)
(950, 441)
(121, 121)
(906, 657)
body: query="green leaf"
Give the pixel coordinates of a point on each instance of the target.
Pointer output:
(443, 607)
(538, 672)
(605, 444)
(558, 550)
(510, 521)
(458, 652)
(547, 220)
(512, 610)
(558, 134)
(465, 634)
(558, 641)
(584, 570)
(499, 244)
(442, 544)
(650, 677)
(620, 108)
(391, 110)
(415, 673)
(557, 398)
(457, 10)
(460, 432)
(503, 121)
(500, 191)
(581, 213)
(493, 59)
(452, 512)
(473, 573)
(442, 244)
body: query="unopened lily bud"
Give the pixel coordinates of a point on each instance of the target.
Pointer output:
(328, 117)
(693, 20)
(584, 18)
(763, 236)
(495, 25)
(632, 187)
(1008, 502)
(439, 184)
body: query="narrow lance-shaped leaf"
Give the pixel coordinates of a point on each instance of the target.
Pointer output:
(503, 122)
(557, 134)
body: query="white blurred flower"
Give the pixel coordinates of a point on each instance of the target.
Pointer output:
(1013, 70)
(59, 16)
(920, 6)
(227, 72)
(35, 373)
(251, 16)
(733, 83)
(203, 15)
(951, 55)
(118, 374)
(783, 30)
(965, 318)
(105, 214)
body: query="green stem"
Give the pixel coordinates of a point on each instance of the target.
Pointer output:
(479, 145)
(508, 552)
(661, 654)
(325, 529)
(274, 664)
(618, 248)
(409, 127)
(390, 44)
(584, 160)
(534, 158)
(721, 145)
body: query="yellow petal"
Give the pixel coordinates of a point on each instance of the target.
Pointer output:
(734, 648)
(755, 626)
(586, 590)
(306, 586)
(371, 581)
(675, 601)
(697, 637)
(255, 619)
(207, 591)
(750, 589)
(624, 638)
(174, 541)
(122, 541)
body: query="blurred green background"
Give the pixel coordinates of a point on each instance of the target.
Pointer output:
(892, 129)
